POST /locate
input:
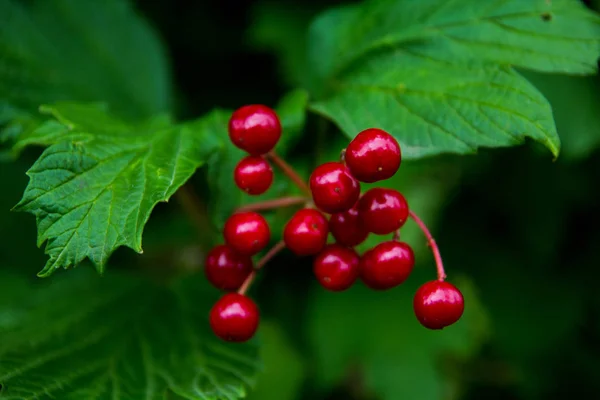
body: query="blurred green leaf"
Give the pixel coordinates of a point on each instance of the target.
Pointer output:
(437, 74)
(292, 113)
(123, 338)
(377, 334)
(284, 367)
(574, 103)
(94, 187)
(81, 50)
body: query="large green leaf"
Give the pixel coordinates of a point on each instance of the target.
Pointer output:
(94, 188)
(122, 338)
(438, 74)
(81, 50)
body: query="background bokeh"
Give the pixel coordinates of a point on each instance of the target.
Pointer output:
(517, 230)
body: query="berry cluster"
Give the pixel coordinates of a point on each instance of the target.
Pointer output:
(334, 189)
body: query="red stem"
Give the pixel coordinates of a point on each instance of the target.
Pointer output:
(261, 263)
(289, 171)
(275, 203)
(434, 248)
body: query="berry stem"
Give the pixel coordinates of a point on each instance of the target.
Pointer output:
(275, 203)
(289, 171)
(261, 263)
(431, 242)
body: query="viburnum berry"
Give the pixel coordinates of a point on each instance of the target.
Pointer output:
(386, 265)
(225, 269)
(247, 232)
(234, 318)
(306, 232)
(333, 188)
(373, 155)
(255, 129)
(347, 228)
(382, 210)
(253, 174)
(336, 267)
(438, 304)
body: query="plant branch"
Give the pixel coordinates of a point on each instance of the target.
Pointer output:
(275, 203)
(431, 242)
(289, 171)
(260, 264)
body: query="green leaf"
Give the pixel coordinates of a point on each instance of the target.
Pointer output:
(438, 75)
(377, 334)
(123, 338)
(94, 188)
(284, 367)
(81, 50)
(291, 110)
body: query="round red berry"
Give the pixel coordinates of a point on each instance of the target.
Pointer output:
(438, 304)
(247, 232)
(255, 128)
(386, 265)
(234, 318)
(253, 174)
(226, 269)
(382, 211)
(306, 232)
(336, 267)
(373, 155)
(333, 188)
(347, 228)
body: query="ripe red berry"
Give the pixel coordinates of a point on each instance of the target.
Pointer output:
(306, 232)
(255, 128)
(373, 155)
(347, 228)
(382, 211)
(247, 232)
(438, 304)
(387, 265)
(333, 188)
(336, 267)
(253, 174)
(234, 318)
(226, 269)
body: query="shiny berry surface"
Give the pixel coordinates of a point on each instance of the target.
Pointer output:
(373, 155)
(438, 304)
(225, 269)
(333, 188)
(382, 211)
(386, 265)
(234, 318)
(336, 267)
(347, 227)
(255, 129)
(247, 232)
(253, 174)
(306, 232)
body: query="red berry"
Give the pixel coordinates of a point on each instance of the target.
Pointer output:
(306, 232)
(438, 304)
(333, 188)
(253, 174)
(247, 232)
(373, 155)
(347, 228)
(382, 211)
(386, 265)
(336, 267)
(255, 128)
(234, 318)
(226, 269)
